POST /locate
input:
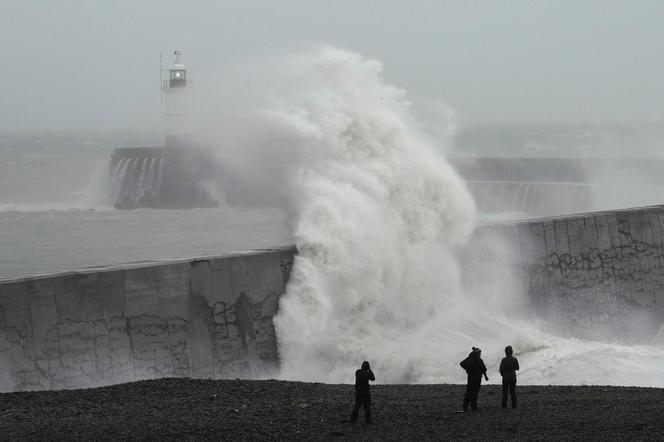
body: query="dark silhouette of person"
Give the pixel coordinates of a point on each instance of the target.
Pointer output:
(508, 368)
(474, 366)
(362, 392)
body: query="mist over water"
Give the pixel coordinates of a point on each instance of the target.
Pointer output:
(523, 171)
(379, 217)
(55, 213)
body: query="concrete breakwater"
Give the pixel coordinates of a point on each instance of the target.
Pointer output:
(209, 318)
(593, 276)
(161, 177)
(597, 276)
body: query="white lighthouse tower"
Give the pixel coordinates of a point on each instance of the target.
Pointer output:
(177, 103)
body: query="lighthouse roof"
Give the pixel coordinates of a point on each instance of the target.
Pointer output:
(177, 67)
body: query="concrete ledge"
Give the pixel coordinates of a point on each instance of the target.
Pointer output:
(593, 276)
(596, 276)
(209, 317)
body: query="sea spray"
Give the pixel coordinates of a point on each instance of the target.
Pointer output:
(377, 214)
(379, 217)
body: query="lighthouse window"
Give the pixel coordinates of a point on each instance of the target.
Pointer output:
(178, 75)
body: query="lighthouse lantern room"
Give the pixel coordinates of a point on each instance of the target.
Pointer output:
(177, 72)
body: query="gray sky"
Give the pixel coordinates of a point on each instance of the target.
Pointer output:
(94, 64)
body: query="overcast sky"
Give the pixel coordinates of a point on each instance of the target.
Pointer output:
(95, 64)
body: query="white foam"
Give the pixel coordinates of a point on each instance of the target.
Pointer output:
(377, 216)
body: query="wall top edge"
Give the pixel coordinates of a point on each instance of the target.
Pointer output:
(575, 216)
(143, 264)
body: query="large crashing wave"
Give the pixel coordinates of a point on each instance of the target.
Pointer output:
(378, 215)
(378, 212)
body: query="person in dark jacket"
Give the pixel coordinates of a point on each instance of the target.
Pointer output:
(362, 393)
(508, 368)
(474, 366)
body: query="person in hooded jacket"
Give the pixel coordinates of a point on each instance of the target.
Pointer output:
(475, 368)
(362, 392)
(508, 368)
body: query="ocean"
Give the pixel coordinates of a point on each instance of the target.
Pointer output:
(52, 216)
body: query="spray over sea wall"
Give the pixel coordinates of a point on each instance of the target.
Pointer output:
(377, 213)
(380, 220)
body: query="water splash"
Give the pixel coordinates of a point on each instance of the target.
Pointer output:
(131, 179)
(378, 217)
(378, 213)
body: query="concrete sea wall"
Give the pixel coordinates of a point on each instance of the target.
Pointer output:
(594, 276)
(208, 317)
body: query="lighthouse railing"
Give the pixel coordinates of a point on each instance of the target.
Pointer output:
(176, 84)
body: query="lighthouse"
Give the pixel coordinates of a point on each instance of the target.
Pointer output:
(177, 175)
(177, 104)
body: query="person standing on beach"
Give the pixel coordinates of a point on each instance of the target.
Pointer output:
(475, 368)
(362, 393)
(508, 368)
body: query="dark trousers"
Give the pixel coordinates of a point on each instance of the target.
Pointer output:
(511, 386)
(472, 391)
(362, 400)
